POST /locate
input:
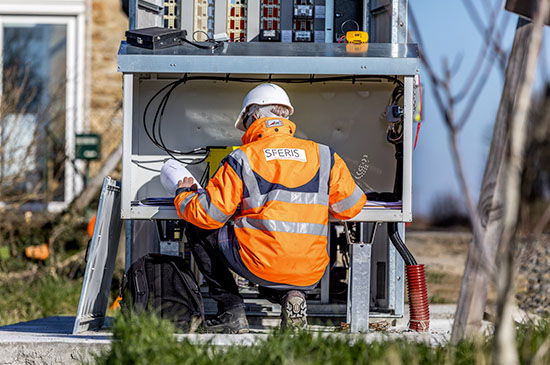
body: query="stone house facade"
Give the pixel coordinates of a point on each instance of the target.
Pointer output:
(59, 79)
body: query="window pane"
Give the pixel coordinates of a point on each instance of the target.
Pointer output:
(33, 110)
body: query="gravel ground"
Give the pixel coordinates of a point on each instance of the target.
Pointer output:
(444, 254)
(533, 284)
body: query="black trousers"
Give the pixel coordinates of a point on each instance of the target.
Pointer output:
(213, 266)
(215, 269)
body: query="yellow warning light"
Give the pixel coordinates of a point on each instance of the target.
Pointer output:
(357, 36)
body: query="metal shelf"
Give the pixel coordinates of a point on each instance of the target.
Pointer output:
(366, 215)
(274, 58)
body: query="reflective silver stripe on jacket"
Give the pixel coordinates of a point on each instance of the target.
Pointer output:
(210, 209)
(348, 202)
(324, 169)
(248, 177)
(285, 196)
(256, 200)
(282, 226)
(186, 201)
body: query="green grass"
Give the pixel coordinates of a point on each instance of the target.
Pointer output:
(24, 300)
(148, 340)
(435, 277)
(438, 299)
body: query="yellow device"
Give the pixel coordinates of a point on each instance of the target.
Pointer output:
(357, 36)
(216, 156)
(357, 47)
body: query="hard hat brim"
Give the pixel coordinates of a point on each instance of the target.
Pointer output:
(239, 123)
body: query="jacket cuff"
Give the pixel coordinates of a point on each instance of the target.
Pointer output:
(183, 190)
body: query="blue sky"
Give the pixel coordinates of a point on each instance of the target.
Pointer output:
(448, 31)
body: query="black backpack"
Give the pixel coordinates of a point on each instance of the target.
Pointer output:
(166, 286)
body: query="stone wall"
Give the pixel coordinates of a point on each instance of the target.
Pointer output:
(108, 26)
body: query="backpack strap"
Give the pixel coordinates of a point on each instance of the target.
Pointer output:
(158, 289)
(190, 282)
(134, 283)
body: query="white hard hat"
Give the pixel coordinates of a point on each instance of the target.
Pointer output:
(263, 94)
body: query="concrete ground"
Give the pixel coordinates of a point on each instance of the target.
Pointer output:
(50, 340)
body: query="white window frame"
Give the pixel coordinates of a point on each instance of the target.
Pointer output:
(72, 14)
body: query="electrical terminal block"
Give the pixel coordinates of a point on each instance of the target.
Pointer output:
(303, 11)
(221, 37)
(270, 20)
(302, 36)
(170, 18)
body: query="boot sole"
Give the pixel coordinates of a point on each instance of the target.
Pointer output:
(295, 312)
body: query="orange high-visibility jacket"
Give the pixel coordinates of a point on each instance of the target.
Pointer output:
(286, 187)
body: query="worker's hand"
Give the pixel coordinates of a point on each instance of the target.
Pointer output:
(187, 182)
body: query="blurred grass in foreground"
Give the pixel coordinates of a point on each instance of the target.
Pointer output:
(148, 340)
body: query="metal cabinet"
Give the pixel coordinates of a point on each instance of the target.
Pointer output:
(340, 93)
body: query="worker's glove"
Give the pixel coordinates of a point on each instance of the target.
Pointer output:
(192, 188)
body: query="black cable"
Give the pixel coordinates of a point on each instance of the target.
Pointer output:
(152, 135)
(204, 177)
(195, 44)
(213, 45)
(397, 94)
(147, 108)
(295, 80)
(200, 31)
(144, 167)
(163, 108)
(155, 132)
(393, 233)
(395, 130)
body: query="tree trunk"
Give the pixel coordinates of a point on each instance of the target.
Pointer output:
(505, 351)
(476, 279)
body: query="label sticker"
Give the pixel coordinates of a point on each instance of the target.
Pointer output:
(295, 154)
(270, 123)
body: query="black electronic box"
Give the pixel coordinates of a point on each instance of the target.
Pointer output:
(155, 37)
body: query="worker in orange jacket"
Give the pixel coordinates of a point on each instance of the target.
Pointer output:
(280, 191)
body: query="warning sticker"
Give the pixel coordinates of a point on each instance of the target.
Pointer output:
(295, 154)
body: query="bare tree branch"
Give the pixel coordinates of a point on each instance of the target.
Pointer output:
(482, 54)
(478, 22)
(505, 349)
(446, 104)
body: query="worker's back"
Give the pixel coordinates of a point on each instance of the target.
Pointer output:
(285, 188)
(282, 226)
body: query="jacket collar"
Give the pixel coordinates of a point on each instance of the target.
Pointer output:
(268, 127)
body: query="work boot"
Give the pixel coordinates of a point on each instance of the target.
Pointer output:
(231, 321)
(294, 310)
